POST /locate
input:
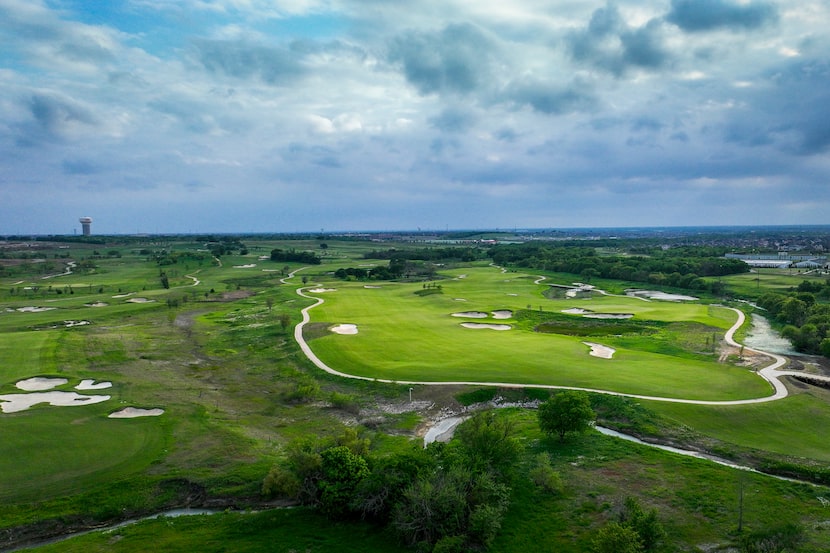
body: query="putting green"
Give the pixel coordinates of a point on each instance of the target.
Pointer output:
(406, 336)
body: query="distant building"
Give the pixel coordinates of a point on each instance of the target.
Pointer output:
(782, 260)
(86, 225)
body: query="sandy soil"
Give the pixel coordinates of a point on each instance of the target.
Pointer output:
(502, 314)
(598, 350)
(39, 383)
(344, 329)
(471, 314)
(133, 412)
(12, 403)
(485, 325)
(90, 384)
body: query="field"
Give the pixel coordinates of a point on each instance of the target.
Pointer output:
(405, 336)
(215, 351)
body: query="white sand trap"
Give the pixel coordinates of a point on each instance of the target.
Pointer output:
(607, 315)
(471, 315)
(12, 403)
(133, 412)
(460, 299)
(576, 311)
(370, 287)
(322, 290)
(344, 329)
(39, 383)
(248, 266)
(655, 295)
(90, 384)
(502, 314)
(461, 276)
(96, 304)
(140, 300)
(70, 324)
(32, 309)
(514, 295)
(486, 325)
(598, 350)
(119, 296)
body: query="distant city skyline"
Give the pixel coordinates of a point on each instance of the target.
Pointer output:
(202, 116)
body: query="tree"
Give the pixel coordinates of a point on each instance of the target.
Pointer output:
(616, 538)
(342, 471)
(285, 320)
(568, 411)
(487, 442)
(270, 303)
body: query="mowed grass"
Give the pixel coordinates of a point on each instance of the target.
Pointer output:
(404, 336)
(755, 284)
(47, 451)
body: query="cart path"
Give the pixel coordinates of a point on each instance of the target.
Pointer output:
(770, 373)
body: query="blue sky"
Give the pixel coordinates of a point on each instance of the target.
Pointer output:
(298, 115)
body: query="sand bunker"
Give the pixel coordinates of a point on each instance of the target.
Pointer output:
(96, 304)
(32, 309)
(607, 315)
(655, 295)
(133, 412)
(139, 300)
(460, 299)
(119, 296)
(39, 383)
(471, 315)
(575, 311)
(344, 329)
(502, 314)
(322, 290)
(12, 403)
(248, 266)
(486, 325)
(70, 324)
(90, 384)
(598, 350)
(370, 287)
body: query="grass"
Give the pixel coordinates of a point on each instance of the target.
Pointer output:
(236, 390)
(403, 336)
(794, 426)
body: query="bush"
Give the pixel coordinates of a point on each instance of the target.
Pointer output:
(543, 475)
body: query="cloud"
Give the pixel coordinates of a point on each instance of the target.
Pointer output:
(240, 60)
(610, 44)
(454, 120)
(457, 59)
(550, 98)
(707, 15)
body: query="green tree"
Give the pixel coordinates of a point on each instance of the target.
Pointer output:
(341, 472)
(616, 538)
(487, 441)
(568, 411)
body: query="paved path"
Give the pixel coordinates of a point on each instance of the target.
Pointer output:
(770, 373)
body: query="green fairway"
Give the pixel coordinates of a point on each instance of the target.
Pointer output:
(406, 336)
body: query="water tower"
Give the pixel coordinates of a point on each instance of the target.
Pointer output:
(86, 225)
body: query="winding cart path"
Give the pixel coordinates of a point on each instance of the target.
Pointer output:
(770, 373)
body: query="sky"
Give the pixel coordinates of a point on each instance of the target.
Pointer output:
(179, 116)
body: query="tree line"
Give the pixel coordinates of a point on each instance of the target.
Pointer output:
(680, 267)
(806, 319)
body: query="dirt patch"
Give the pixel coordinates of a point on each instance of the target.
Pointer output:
(236, 295)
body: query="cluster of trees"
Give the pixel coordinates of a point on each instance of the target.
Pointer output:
(465, 254)
(396, 269)
(807, 322)
(446, 497)
(165, 257)
(443, 498)
(293, 255)
(680, 267)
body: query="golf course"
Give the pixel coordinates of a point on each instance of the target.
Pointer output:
(152, 374)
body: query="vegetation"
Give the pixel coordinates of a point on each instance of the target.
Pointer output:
(249, 423)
